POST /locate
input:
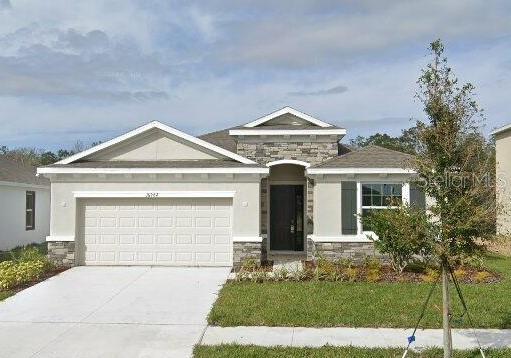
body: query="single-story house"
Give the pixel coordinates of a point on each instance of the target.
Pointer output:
(25, 212)
(503, 176)
(281, 184)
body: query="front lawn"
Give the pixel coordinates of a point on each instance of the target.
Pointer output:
(225, 351)
(359, 304)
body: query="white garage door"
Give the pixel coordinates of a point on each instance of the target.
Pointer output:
(166, 231)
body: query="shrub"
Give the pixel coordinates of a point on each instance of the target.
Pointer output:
(482, 276)
(249, 265)
(403, 233)
(15, 254)
(474, 260)
(7, 275)
(259, 275)
(28, 264)
(373, 275)
(17, 273)
(431, 275)
(299, 274)
(372, 263)
(280, 274)
(326, 270)
(460, 274)
(31, 254)
(351, 274)
(345, 263)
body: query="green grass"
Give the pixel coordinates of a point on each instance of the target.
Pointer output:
(331, 304)
(5, 294)
(224, 351)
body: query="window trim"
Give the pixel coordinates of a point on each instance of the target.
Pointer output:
(376, 207)
(405, 199)
(28, 210)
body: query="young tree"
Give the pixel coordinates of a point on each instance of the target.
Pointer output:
(403, 233)
(453, 163)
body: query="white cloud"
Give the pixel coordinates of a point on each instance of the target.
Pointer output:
(90, 70)
(321, 92)
(40, 62)
(314, 36)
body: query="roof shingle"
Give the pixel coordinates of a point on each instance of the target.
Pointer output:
(14, 172)
(369, 157)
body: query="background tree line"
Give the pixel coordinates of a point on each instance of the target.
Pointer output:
(39, 157)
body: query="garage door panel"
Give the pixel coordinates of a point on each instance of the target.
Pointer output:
(165, 222)
(177, 231)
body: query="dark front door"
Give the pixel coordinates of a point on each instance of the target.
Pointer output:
(286, 217)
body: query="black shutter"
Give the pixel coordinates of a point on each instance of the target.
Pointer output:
(417, 197)
(349, 207)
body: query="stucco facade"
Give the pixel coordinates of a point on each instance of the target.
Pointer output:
(503, 175)
(295, 155)
(13, 232)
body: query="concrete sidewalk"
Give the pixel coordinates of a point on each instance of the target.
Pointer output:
(360, 337)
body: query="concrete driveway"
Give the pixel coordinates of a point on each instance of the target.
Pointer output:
(111, 312)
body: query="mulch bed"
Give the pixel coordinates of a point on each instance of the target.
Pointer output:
(385, 274)
(464, 274)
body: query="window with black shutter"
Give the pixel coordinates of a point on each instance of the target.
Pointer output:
(30, 210)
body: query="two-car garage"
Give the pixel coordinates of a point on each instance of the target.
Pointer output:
(154, 231)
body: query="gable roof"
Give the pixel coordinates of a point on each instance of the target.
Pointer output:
(222, 139)
(372, 156)
(287, 110)
(165, 128)
(14, 172)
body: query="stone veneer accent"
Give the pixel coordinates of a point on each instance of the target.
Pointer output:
(243, 251)
(264, 152)
(356, 251)
(62, 253)
(311, 152)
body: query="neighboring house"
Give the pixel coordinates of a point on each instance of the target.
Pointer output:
(281, 184)
(503, 175)
(25, 210)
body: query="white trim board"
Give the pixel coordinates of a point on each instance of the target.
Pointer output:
(247, 239)
(289, 132)
(154, 194)
(53, 238)
(288, 161)
(342, 238)
(359, 171)
(165, 128)
(287, 110)
(71, 170)
(501, 129)
(24, 185)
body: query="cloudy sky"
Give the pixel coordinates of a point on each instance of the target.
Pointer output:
(90, 70)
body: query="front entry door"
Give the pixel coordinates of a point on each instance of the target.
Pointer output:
(286, 217)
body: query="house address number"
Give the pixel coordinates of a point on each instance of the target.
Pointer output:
(152, 195)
